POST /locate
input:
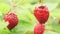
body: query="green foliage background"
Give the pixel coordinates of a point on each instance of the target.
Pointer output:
(27, 20)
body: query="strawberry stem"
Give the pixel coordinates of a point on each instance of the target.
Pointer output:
(40, 1)
(12, 5)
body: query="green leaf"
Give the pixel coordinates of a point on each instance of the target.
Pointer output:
(50, 32)
(50, 7)
(4, 8)
(51, 1)
(4, 31)
(3, 0)
(29, 32)
(3, 27)
(55, 13)
(56, 26)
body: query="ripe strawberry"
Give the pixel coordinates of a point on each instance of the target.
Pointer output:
(41, 13)
(12, 19)
(39, 29)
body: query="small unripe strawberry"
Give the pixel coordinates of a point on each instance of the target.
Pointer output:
(39, 29)
(12, 19)
(41, 13)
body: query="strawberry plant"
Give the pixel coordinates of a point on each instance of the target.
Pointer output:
(29, 17)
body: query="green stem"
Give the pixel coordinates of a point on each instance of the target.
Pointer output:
(12, 5)
(40, 1)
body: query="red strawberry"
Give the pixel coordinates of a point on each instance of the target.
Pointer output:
(39, 29)
(41, 13)
(12, 19)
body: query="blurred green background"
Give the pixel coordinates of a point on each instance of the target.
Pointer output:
(27, 20)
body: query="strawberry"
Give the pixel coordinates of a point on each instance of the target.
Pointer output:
(41, 13)
(39, 29)
(12, 19)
